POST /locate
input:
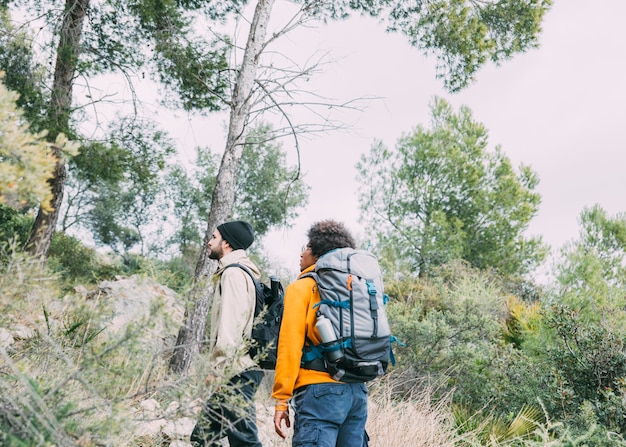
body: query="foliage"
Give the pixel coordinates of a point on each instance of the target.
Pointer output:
(462, 35)
(154, 36)
(77, 263)
(441, 196)
(587, 364)
(23, 282)
(114, 185)
(26, 159)
(453, 324)
(581, 340)
(22, 74)
(175, 273)
(591, 273)
(70, 383)
(523, 320)
(190, 197)
(14, 225)
(194, 71)
(268, 191)
(496, 429)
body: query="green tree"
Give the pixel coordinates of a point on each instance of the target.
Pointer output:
(268, 191)
(114, 185)
(581, 341)
(86, 38)
(442, 196)
(22, 73)
(462, 35)
(453, 325)
(591, 271)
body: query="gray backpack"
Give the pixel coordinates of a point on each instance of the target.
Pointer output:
(352, 298)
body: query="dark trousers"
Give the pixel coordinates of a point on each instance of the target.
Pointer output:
(230, 412)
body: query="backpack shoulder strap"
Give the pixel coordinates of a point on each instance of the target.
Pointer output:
(244, 268)
(259, 301)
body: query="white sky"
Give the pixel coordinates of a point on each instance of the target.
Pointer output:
(558, 108)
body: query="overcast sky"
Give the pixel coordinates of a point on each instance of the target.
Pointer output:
(558, 108)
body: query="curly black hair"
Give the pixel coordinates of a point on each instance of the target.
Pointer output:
(328, 235)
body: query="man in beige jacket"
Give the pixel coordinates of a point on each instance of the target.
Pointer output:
(230, 411)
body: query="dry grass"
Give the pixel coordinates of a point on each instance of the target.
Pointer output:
(415, 422)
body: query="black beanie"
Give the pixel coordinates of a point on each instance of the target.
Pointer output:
(238, 234)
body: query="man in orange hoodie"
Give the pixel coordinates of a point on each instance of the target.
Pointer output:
(328, 413)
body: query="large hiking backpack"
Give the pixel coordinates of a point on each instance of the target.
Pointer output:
(271, 299)
(352, 298)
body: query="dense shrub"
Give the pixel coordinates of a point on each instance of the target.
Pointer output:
(175, 273)
(78, 263)
(454, 326)
(587, 367)
(14, 225)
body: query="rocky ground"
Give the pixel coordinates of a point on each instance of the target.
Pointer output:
(121, 303)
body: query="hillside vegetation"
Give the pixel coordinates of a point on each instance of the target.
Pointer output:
(489, 361)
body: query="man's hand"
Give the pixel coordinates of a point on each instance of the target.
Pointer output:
(279, 416)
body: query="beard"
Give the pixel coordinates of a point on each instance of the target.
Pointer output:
(217, 254)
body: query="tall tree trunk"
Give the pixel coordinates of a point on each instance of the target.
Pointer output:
(59, 111)
(192, 332)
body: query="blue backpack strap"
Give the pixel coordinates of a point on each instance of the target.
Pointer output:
(393, 339)
(343, 304)
(313, 355)
(371, 291)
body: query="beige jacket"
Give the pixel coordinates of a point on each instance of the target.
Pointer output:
(232, 315)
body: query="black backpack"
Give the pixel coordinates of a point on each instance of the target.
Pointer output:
(264, 348)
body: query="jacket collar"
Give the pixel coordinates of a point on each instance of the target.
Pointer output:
(307, 270)
(231, 258)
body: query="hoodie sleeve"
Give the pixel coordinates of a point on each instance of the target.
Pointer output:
(292, 335)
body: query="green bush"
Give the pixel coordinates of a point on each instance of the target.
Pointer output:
(14, 226)
(587, 367)
(78, 263)
(454, 327)
(176, 273)
(71, 258)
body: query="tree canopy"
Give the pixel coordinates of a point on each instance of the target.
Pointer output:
(462, 35)
(591, 271)
(268, 191)
(441, 195)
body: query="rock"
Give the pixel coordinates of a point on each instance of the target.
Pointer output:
(150, 428)
(172, 408)
(150, 409)
(81, 290)
(21, 332)
(179, 428)
(6, 339)
(142, 302)
(179, 443)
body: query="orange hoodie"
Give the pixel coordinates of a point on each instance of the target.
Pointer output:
(298, 324)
